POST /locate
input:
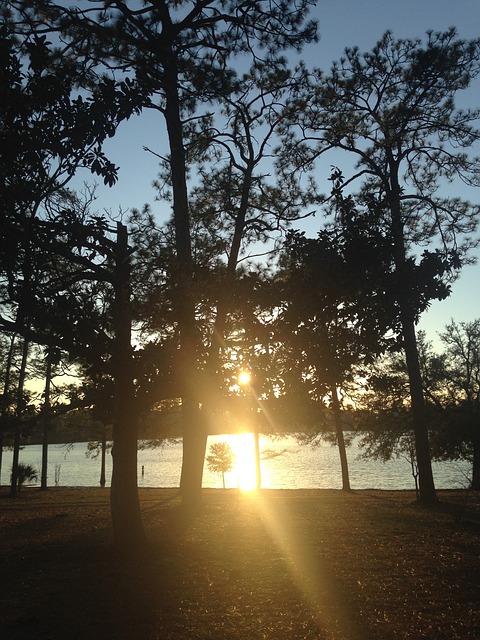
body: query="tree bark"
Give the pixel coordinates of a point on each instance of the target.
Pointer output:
(422, 447)
(46, 422)
(194, 432)
(476, 454)
(18, 415)
(124, 501)
(103, 479)
(337, 417)
(426, 484)
(6, 391)
(193, 455)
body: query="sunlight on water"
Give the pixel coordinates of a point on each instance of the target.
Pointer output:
(243, 447)
(297, 467)
(243, 475)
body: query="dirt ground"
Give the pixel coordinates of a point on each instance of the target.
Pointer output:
(285, 565)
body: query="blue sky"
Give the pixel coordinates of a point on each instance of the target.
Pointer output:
(341, 23)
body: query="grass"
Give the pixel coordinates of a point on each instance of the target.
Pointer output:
(311, 564)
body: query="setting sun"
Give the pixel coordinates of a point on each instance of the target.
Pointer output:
(244, 378)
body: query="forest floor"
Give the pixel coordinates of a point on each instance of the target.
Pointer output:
(311, 564)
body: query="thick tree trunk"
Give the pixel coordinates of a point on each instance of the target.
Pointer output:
(193, 455)
(194, 433)
(1, 445)
(426, 484)
(124, 501)
(337, 416)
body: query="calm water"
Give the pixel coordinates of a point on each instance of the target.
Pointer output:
(298, 467)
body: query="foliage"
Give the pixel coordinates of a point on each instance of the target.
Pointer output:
(383, 408)
(48, 130)
(25, 473)
(335, 306)
(221, 459)
(458, 370)
(393, 110)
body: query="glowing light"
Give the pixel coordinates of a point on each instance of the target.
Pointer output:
(244, 378)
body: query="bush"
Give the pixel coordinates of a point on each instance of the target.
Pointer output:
(26, 472)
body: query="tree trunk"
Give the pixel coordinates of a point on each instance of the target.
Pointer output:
(426, 484)
(103, 478)
(193, 455)
(46, 422)
(404, 293)
(194, 432)
(223, 304)
(6, 391)
(19, 412)
(1, 444)
(476, 455)
(337, 417)
(124, 501)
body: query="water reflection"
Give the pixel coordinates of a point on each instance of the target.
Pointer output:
(297, 467)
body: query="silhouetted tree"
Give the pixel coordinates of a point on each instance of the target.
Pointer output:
(180, 53)
(460, 391)
(221, 459)
(47, 130)
(328, 315)
(451, 390)
(25, 473)
(8, 347)
(394, 110)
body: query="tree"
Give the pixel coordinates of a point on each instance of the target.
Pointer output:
(52, 358)
(47, 130)
(8, 348)
(394, 110)
(328, 313)
(103, 257)
(383, 410)
(460, 371)
(180, 52)
(221, 459)
(451, 390)
(51, 247)
(99, 448)
(25, 473)
(237, 201)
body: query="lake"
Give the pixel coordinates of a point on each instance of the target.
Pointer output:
(297, 467)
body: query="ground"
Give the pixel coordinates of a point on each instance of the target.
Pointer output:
(285, 565)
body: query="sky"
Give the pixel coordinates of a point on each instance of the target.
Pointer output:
(342, 23)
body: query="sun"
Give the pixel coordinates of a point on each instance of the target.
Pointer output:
(244, 378)
(243, 447)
